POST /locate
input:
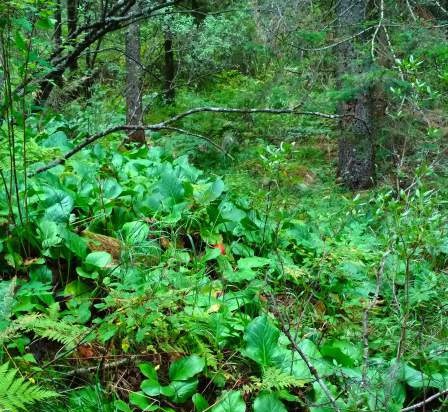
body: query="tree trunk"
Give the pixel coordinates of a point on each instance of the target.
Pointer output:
(134, 110)
(170, 68)
(58, 25)
(72, 24)
(356, 143)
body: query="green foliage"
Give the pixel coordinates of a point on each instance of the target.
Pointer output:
(182, 387)
(230, 402)
(196, 261)
(17, 393)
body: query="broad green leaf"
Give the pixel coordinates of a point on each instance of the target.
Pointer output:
(87, 274)
(122, 406)
(75, 244)
(60, 210)
(99, 259)
(261, 339)
(135, 232)
(183, 390)
(58, 139)
(210, 254)
(148, 370)
(171, 187)
(186, 368)
(41, 274)
(199, 402)
(346, 353)
(50, 233)
(110, 188)
(150, 387)
(207, 192)
(230, 212)
(268, 403)
(142, 401)
(231, 401)
(252, 262)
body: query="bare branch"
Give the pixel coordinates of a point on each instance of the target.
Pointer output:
(411, 11)
(165, 125)
(330, 46)
(113, 364)
(248, 111)
(424, 402)
(377, 29)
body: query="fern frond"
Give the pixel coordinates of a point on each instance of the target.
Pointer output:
(273, 380)
(18, 394)
(65, 333)
(14, 327)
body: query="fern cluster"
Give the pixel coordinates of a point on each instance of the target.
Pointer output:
(17, 393)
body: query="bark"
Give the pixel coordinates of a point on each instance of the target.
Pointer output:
(58, 25)
(170, 68)
(134, 110)
(72, 25)
(356, 142)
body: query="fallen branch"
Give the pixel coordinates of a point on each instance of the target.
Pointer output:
(165, 125)
(424, 402)
(293, 111)
(108, 365)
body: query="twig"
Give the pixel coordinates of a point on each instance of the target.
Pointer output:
(108, 365)
(377, 29)
(424, 402)
(411, 11)
(441, 7)
(330, 46)
(311, 368)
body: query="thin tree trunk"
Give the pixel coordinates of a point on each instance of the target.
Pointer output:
(134, 110)
(72, 24)
(356, 143)
(58, 25)
(170, 68)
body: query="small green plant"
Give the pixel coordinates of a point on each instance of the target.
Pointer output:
(18, 393)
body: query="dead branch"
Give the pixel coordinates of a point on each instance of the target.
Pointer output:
(424, 402)
(165, 125)
(108, 365)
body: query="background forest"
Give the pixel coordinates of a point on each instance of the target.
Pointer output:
(223, 205)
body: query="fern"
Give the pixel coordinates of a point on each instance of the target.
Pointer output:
(16, 393)
(273, 380)
(65, 333)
